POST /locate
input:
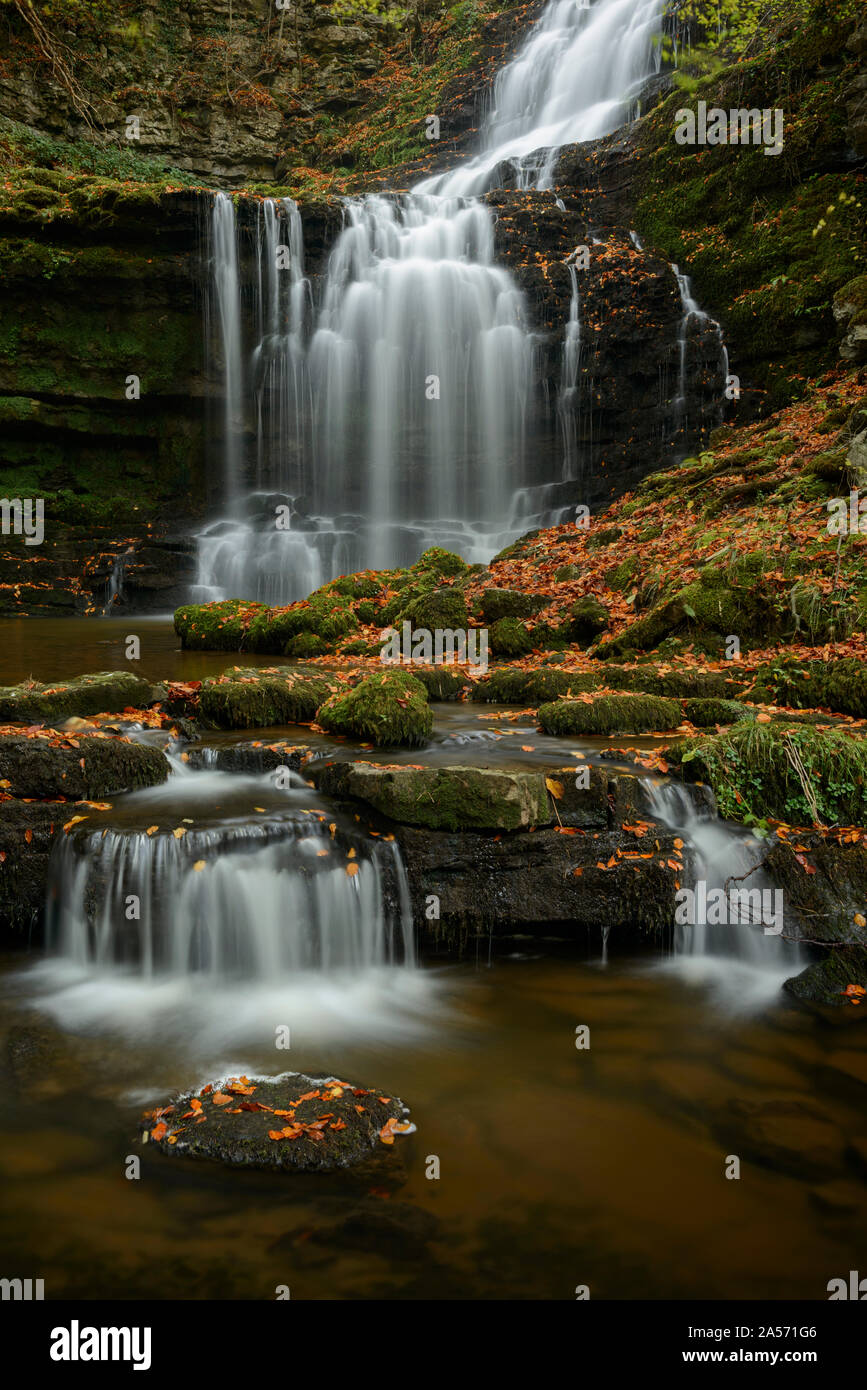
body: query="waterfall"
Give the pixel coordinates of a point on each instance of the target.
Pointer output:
(574, 78)
(251, 901)
(569, 377)
(746, 962)
(227, 296)
(693, 321)
(395, 412)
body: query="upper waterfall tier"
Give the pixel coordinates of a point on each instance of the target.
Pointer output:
(576, 77)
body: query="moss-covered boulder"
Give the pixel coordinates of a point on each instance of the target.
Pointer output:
(444, 608)
(721, 601)
(441, 682)
(610, 714)
(249, 698)
(78, 767)
(104, 692)
(508, 686)
(441, 562)
(444, 798)
(835, 685)
(794, 773)
(509, 637)
(220, 627)
(707, 713)
(389, 709)
(294, 1122)
(509, 603)
(308, 644)
(587, 619)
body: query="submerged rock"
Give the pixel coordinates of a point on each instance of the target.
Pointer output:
(294, 1122)
(104, 692)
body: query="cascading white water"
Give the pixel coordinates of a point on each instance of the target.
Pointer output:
(227, 294)
(693, 321)
(252, 900)
(739, 957)
(575, 78)
(218, 906)
(569, 375)
(397, 416)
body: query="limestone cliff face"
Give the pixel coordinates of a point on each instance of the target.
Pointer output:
(219, 91)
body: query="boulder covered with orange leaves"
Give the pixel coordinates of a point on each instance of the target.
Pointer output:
(290, 1122)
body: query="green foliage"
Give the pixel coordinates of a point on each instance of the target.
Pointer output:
(796, 774)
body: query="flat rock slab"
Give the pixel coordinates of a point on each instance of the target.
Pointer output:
(444, 798)
(104, 692)
(294, 1122)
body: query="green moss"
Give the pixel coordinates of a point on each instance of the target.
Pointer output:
(441, 682)
(105, 692)
(443, 563)
(248, 698)
(795, 774)
(508, 603)
(706, 713)
(215, 626)
(509, 637)
(307, 644)
(388, 709)
(440, 609)
(610, 714)
(835, 685)
(587, 619)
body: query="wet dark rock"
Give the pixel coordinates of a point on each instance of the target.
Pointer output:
(823, 984)
(237, 1133)
(24, 862)
(83, 767)
(544, 880)
(248, 757)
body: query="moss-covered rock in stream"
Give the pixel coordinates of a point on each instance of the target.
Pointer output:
(248, 698)
(518, 687)
(294, 1123)
(441, 682)
(77, 767)
(220, 627)
(443, 798)
(610, 714)
(707, 713)
(104, 692)
(796, 774)
(835, 685)
(389, 709)
(233, 625)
